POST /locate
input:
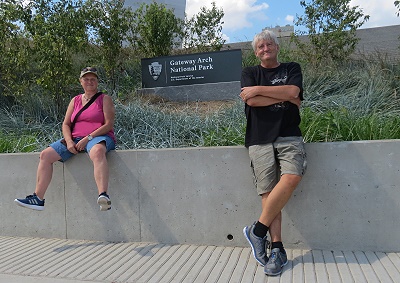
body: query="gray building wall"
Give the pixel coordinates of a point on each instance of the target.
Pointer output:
(179, 6)
(383, 41)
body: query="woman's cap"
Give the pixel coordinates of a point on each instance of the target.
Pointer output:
(89, 70)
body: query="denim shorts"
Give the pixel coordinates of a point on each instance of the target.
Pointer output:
(65, 154)
(270, 161)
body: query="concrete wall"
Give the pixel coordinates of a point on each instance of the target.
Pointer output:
(349, 198)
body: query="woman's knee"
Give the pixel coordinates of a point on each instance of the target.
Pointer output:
(98, 152)
(49, 155)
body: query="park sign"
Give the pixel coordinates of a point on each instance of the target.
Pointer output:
(190, 69)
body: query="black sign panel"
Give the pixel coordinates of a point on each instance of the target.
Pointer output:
(198, 68)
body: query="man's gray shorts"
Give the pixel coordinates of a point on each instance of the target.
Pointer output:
(270, 161)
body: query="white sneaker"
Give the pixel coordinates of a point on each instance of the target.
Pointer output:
(104, 202)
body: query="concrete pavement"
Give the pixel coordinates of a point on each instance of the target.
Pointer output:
(34, 260)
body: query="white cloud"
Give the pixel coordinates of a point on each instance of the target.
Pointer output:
(226, 38)
(238, 14)
(382, 13)
(289, 19)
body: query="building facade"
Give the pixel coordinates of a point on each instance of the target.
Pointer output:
(382, 41)
(283, 31)
(178, 6)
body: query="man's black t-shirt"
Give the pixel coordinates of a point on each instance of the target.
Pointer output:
(266, 123)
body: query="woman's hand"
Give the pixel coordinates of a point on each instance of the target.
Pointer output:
(80, 146)
(71, 146)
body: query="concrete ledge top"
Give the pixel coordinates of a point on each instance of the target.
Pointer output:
(61, 261)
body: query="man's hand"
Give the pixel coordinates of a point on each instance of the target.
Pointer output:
(296, 101)
(248, 92)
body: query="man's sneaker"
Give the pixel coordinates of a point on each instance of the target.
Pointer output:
(276, 261)
(104, 202)
(258, 245)
(31, 201)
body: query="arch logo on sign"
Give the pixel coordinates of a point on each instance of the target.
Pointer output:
(155, 69)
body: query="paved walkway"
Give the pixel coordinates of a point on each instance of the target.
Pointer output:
(34, 260)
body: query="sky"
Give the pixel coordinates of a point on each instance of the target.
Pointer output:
(245, 18)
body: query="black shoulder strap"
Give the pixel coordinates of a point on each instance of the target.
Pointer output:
(84, 108)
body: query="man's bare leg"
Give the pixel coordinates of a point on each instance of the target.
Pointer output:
(273, 202)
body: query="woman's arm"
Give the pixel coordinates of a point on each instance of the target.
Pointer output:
(109, 117)
(66, 125)
(66, 129)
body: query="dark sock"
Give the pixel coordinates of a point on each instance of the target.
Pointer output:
(260, 230)
(278, 245)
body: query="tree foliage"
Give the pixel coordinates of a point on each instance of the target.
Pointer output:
(203, 32)
(45, 43)
(12, 63)
(109, 24)
(331, 28)
(156, 30)
(397, 4)
(57, 31)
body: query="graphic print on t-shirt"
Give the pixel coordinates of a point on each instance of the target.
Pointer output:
(279, 79)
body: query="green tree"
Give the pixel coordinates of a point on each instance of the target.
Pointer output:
(57, 31)
(109, 22)
(156, 30)
(12, 63)
(203, 32)
(331, 29)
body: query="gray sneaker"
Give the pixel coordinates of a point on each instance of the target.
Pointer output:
(104, 202)
(259, 246)
(276, 261)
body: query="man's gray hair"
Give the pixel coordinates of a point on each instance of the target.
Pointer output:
(264, 35)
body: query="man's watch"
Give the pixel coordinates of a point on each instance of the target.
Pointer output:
(89, 137)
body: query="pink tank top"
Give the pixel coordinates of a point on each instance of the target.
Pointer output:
(90, 119)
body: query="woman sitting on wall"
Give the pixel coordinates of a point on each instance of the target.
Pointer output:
(88, 126)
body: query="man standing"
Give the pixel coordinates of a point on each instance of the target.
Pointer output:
(272, 92)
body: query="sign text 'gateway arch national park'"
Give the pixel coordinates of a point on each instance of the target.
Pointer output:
(194, 77)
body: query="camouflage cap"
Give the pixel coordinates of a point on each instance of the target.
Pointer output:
(88, 70)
